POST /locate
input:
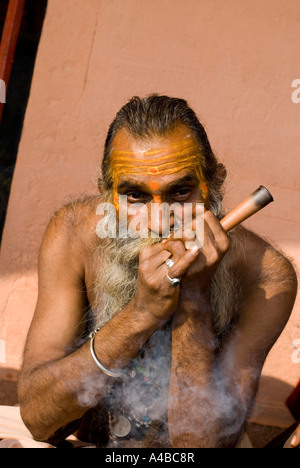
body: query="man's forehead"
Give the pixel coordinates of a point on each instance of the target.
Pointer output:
(176, 141)
(176, 153)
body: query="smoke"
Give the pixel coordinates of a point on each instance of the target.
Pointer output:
(143, 394)
(216, 411)
(91, 390)
(140, 396)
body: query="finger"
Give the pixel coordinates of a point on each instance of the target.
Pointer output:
(185, 229)
(217, 233)
(185, 236)
(154, 256)
(184, 263)
(207, 244)
(175, 247)
(295, 442)
(160, 259)
(150, 250)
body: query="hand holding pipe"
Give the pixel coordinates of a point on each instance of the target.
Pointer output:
(251, 205)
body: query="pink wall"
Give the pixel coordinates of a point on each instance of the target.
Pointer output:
(233, 60)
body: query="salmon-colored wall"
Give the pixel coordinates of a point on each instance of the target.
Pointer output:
(234, 61)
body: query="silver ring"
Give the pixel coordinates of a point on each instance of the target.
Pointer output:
(174, 281)
(170, 263)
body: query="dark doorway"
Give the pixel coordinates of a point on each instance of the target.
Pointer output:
(17, 93)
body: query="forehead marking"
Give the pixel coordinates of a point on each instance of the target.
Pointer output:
(176, 158)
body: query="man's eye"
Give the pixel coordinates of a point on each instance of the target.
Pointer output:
(182, 192)
(136, 196)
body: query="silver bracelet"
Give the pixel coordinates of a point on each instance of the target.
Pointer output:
(97, 362)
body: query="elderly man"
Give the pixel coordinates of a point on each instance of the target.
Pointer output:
(176, 348)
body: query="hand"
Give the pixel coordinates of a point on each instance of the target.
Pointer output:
(199, 274)
(155, 294)
(296, 438)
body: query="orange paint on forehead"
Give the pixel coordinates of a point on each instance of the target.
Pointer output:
(167, 160)
(176, 153)
(157, 199)
(153, 171)
(153, 185)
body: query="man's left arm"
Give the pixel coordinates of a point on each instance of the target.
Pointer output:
(211, 394)
(268, 300)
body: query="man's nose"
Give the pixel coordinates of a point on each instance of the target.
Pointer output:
(160, 220)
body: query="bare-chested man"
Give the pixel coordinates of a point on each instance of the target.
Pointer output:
(180, 363)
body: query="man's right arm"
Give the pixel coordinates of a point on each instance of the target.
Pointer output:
(57, 384)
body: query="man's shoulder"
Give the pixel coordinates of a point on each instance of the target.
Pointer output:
(259, 261)
(72, 227)
(77, 217)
